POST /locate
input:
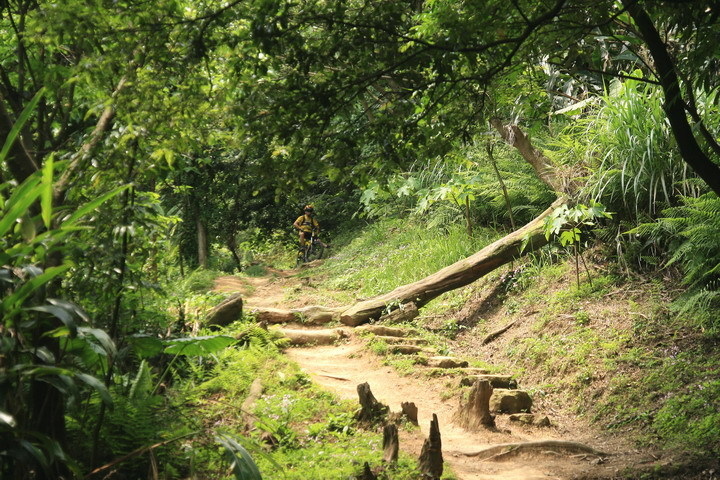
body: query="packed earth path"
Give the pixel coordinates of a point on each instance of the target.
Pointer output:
(343, 365)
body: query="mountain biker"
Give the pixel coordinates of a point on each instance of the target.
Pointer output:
(307, 224)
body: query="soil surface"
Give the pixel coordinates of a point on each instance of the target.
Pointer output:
(342, 367)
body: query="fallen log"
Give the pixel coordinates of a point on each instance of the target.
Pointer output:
(461, 273)
(311, 315)
(301, 338)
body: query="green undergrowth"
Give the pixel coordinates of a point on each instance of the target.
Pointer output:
(301, 430)
(614, 353)
(611, 350)
(393, 252)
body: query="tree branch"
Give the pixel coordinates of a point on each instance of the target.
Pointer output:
(103, 124)
(543, 166)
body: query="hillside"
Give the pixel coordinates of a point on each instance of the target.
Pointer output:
(605, 362)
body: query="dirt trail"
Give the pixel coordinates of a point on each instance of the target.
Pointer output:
(340, 368)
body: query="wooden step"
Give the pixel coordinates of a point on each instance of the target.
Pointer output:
(384, 330)
(405, 349)
(446, 362)
(405, 340)
(496, 381)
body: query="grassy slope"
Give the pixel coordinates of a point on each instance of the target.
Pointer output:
(613, 341)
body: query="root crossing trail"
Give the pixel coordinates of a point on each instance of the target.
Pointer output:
(341, 367)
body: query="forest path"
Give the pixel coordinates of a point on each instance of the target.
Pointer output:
(341, 367)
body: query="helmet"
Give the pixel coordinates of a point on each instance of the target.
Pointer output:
(309, 208)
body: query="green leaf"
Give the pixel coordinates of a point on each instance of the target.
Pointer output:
(196, 346)
(242, 464)
(98, 386)
(89, 207)
(145, 346)
(47, 190)
(35, 452)
(47, 370)
(7, 419)
(101, 336)
(15, 130)
(70, 307)
(62, 314)
(19, 203)
(15, 299)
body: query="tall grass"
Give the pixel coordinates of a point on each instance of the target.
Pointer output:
(393, 252)
(459, 185)
(628, 148)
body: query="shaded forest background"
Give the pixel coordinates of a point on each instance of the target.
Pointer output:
(142, 141)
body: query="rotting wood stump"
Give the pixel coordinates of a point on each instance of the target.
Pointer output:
(371, 411)
(475, 414)
(366, 474)
(254, 394)
(391, 443)
(410, 411)
(431, 459)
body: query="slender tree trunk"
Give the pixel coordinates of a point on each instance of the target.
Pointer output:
(506, 196)
(202, 244)
(468, 219)
(232, 246)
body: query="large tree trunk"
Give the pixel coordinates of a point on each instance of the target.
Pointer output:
(461, 273)
(674, 107)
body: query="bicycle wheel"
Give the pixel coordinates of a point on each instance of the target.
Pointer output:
(316, 252)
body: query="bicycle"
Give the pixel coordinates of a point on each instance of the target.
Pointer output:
(313, 249)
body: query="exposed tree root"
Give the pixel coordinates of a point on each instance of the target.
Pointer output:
(500, 452)
(492, 336)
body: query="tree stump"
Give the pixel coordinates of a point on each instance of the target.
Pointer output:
(391, 443)
(367, 474)
(370, 409)
(410, 410)
(476, 412)
(255, 392)
(431, 460)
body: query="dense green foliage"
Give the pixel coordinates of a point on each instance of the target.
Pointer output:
(144, 139)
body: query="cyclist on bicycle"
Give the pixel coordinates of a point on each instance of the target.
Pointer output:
(307, 224)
